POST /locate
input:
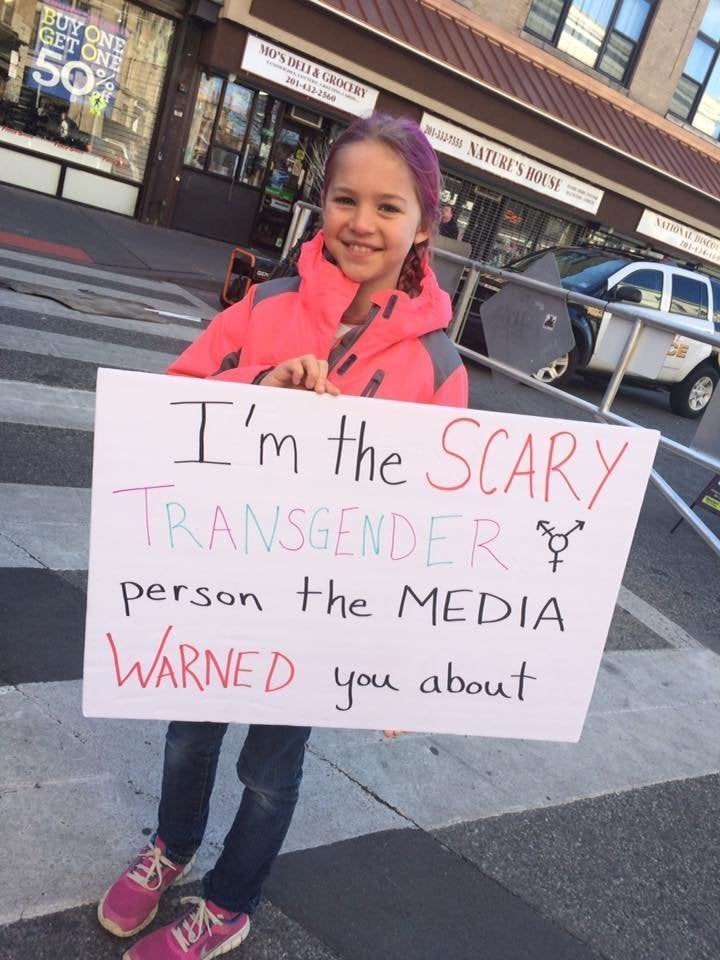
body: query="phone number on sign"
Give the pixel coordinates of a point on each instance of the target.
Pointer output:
(311, 90)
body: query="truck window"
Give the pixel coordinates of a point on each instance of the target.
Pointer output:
(689, 297)
(650, 284)
(715, 284)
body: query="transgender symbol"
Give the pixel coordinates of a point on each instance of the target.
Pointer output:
(557, 542)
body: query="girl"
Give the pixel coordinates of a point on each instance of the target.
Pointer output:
(365, 316)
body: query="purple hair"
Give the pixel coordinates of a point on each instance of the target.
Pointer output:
(405, 137)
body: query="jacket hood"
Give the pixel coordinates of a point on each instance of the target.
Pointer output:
(327, 290)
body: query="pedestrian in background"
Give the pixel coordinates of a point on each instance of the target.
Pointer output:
(365, 317)
(448, 223)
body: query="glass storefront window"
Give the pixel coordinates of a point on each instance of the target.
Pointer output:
(201, 127)
(257, 147)
(233, 119)
(85, 82)
(232, 130)
(223, 162)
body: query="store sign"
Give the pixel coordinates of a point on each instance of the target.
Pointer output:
(674, 234)
(75, 58)
(503, 162)
(710, 497)
(307, 77)
(274, 556)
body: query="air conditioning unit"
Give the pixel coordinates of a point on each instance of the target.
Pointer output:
(306, 117)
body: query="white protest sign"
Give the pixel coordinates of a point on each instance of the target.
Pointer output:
(272, 556)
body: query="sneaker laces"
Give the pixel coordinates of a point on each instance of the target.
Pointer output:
(148, 870)
(190, 928)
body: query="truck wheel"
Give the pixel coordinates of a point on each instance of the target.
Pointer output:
(690, 397)
(560, 370)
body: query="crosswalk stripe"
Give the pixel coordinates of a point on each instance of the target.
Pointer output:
(89, 351)
(28, 266)
(47, 525)
(35, 403)
(49, 285)
(152, 325)
(661, 625)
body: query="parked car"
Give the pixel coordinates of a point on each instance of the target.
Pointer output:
(689, 369)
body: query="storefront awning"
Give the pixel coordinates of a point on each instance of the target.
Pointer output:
(437, 33)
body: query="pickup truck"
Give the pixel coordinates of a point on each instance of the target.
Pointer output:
(687, 368)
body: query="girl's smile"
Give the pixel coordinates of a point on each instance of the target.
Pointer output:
(372, 216)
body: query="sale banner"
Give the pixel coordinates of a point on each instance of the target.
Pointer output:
(76, 56)
(273, 556)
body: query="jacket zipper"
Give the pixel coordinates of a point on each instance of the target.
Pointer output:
(373, 384)
(350, 338)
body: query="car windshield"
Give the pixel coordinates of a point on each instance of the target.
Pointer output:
(579, 269)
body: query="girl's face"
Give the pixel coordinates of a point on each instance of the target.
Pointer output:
(371, 214)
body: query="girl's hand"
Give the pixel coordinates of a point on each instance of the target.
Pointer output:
(301, 373)
(394, 734)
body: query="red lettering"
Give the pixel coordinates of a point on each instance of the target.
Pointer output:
(608, 470)
(239, 669)
(271, 673)
(553, 467)
(185, 665)
(224, 678)
(530, 472)
(484, 458)
(166, 671)
(143, 680)
(457, 456)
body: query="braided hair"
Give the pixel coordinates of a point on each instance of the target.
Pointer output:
(413, 270)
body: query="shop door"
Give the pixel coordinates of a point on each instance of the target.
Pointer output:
(283, 185)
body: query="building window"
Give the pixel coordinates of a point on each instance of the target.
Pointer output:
(232, 130)
(83, 83)
(603, 34)
(697, 97)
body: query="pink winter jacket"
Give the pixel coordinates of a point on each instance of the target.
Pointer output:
(401, 352)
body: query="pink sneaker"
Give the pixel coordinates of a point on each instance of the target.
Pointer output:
(132, 901)
(204, 931)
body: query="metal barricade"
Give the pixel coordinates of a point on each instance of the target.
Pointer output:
(474, 268)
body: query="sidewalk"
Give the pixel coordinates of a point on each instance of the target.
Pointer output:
(46, 226)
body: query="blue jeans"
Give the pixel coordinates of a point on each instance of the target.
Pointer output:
(270, 766)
